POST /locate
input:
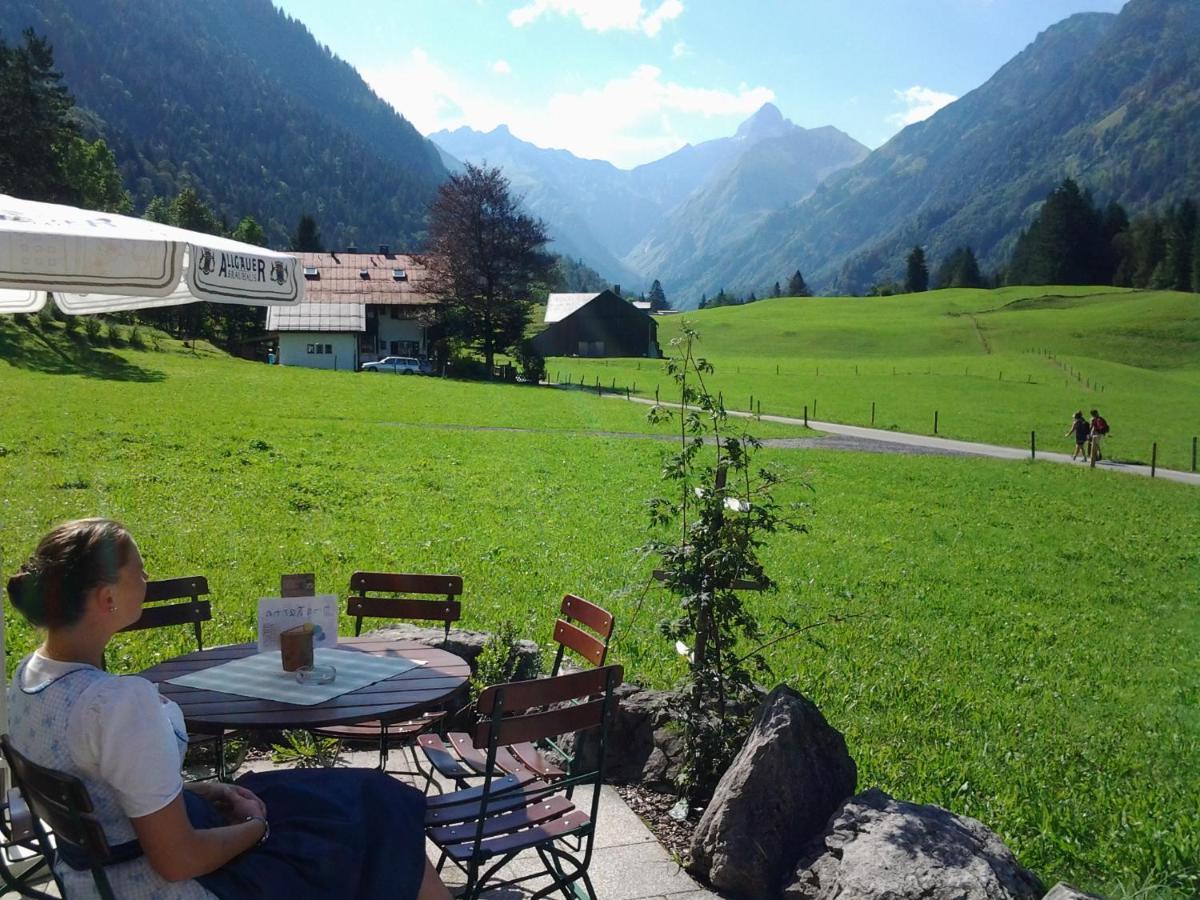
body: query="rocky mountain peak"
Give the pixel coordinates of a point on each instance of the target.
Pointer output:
(767, 122)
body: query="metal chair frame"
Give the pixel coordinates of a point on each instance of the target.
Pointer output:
(62, 802)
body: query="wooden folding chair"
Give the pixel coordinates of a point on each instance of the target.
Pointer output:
(62, 802)
(365, 602)
(457, 759)
(481, 829)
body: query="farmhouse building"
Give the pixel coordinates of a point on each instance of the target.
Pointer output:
(358, 307)
(596, 325)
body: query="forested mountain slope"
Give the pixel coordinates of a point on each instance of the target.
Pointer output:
(239, 100)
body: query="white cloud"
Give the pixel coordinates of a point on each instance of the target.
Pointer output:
(601, 15)
(920, 103)
(627, 120)
(680, 50)
(501, 67)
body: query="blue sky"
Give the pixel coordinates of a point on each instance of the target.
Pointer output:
(632, 80)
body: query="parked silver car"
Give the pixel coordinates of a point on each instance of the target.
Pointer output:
(397, 365)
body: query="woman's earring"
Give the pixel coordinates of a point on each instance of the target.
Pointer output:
(112, 609)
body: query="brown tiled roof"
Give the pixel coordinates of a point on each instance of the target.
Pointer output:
(339, 279)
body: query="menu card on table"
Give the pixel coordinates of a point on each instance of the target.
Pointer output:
(276, 614)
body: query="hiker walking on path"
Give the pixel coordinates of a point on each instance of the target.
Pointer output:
(1099, 430)
(1081, 429)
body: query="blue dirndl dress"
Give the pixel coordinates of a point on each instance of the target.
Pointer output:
(336, 834)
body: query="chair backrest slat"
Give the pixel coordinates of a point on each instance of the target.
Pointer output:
(517, 712)
(405, 583)
(61, 801)
(447, 609)
(540, 725)
(591, 649)
(405, 608)
(191, 610)
(594, 617)
(571, 636)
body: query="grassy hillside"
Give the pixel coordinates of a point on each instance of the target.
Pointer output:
(973, 356)
(1014, 655)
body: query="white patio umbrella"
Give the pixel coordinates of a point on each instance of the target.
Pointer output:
(97, 262)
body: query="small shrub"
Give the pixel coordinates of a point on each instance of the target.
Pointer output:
(116, 336)
(136, 341)
(92, 326)
(532, 364)
(45, 316)
(500, 661)
(71, 324)
(303, 750)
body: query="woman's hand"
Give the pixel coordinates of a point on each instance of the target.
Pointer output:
(235, 803)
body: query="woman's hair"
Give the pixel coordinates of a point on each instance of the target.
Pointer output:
(51, 588)
(1079, 414)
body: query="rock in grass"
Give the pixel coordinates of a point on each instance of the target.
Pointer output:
(878, 848)
(792, 773)
(1064, 891)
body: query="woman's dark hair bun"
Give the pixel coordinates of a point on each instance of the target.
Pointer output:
(51, 588)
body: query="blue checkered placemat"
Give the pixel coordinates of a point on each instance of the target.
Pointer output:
(262, 676)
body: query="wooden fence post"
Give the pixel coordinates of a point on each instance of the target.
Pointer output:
(1033, 445)
(805, 415)
(872, 412)
(1153, 458)
(1193, 454)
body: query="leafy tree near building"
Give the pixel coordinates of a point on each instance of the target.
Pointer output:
(916, 279)
(250, 232)
(485, 259)
(797, 287)
(91, 170)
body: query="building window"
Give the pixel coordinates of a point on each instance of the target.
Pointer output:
(312, 348)
(311, 272)
(320, 348)
(329, 348)
(399, 275)
(364, 273)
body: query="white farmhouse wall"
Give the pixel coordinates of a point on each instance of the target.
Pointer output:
(337, 350)
(398, 337)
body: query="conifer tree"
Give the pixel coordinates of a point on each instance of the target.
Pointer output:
(658, 298)
(1196, 263)
(307, 238)
(775, 291)
(797, 287)
(36, 128)
(917, 278)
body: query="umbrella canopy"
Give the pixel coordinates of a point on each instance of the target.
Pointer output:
(95, 262)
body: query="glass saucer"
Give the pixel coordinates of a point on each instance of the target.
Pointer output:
(316, 674)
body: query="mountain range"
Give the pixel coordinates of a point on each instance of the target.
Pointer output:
(239, 100)
(662, 219)
(1110, 100)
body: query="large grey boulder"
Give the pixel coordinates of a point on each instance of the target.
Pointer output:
(789, 777)
(1064, 891)
(877, 848)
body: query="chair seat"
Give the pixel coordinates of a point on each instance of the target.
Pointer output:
(460, 759)
(397, 732)
(521, 816)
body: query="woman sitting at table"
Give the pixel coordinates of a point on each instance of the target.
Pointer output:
(294, 834)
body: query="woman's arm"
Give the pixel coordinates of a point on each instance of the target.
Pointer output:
(177, 851)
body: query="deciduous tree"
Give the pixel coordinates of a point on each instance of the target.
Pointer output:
(485, 259)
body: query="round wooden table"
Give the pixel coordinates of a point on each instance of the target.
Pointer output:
(394, 699)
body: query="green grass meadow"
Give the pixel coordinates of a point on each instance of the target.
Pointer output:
(1023, 640)
(974, 357)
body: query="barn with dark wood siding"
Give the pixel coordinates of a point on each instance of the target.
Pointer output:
(596, 325)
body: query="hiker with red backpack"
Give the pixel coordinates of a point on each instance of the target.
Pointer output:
(1099, 432)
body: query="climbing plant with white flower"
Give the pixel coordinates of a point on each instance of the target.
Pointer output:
(709, 531)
